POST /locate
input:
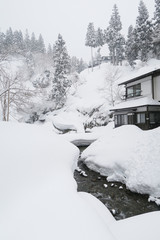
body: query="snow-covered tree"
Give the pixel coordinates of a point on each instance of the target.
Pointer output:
(61, 82)
(114, 38)
(9, 41)
(49, 50)
(91, 39)
(97, 57)
(111, 90)
(81, 66)
(144, 32)
(99, 38)
(43, 80)
(27, 42)
(2, 45)
(13, 94)
(131, 47)
(40, 45)
(77, 65)
(33, 43)
(156, 35)
(18, 43)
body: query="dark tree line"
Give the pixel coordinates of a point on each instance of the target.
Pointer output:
(142, 42)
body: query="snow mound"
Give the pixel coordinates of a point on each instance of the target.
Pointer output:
(38, 195)
(68, 121)
(129, 155)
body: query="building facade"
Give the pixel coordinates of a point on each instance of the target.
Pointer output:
(141, 103)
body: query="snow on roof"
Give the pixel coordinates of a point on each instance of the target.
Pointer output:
(143, 101)
(139, 72)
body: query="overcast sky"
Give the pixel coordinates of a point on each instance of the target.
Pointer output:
(70, 18)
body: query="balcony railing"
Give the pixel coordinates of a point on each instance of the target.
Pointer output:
(132, 95)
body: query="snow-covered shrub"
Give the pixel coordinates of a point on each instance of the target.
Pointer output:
(43, 80)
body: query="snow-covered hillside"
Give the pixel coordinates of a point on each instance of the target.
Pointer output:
(95, 93)
(89, 99)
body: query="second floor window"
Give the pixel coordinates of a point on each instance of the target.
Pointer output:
(133, 91)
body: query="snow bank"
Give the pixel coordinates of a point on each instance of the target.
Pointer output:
(38, 195)
(142, 227)
(129, 155)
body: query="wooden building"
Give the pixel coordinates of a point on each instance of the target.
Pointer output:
(141, 104)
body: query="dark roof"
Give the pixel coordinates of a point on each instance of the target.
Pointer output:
(151, 73)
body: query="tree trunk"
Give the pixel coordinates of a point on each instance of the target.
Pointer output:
(92, 58)
(4, 108)
(8, 105)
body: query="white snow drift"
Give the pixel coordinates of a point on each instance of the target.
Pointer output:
(39, 198)
(129, 155)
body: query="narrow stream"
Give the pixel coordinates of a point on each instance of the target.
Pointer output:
(121, 202)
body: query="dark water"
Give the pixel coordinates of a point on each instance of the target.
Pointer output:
(121, 202)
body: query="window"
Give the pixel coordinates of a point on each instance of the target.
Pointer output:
(141, 118)
(133, 91)
(154, 118)
(121, 119)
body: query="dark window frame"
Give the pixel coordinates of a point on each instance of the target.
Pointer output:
(121, 119)
(133, 91)
(154, 117)
(141, 119)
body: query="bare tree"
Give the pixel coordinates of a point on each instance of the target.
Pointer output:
(112, 91)
(13, 94)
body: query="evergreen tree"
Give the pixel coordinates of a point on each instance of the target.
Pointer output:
(98, 58)
(33, 43)
(2, 44)
(131, 49)
(9, 41)
(81, 66)
(27, 42)
(41, 45)
(61, 82)
(91, 39)
(77, 65)
(49, 50)
(114, 38)
(18, 44)
(144, 32)
(157, 14)
(156, 35)
(74, 64)
(21, 42)
(99, 38)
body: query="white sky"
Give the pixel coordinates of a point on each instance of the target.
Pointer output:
(67, 17)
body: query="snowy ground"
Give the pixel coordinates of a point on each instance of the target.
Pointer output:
(39, 198)
(129, 155)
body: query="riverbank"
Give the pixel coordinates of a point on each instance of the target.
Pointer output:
(121, 202)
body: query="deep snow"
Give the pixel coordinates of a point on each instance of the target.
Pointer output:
(129, 155)
(39, 198)
(38, 195)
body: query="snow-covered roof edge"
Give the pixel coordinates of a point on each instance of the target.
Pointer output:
(140, 76)
(145, 101)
